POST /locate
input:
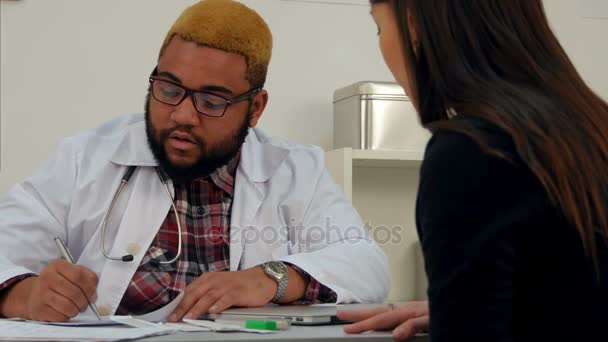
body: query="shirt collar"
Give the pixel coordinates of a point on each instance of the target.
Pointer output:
(223, 177)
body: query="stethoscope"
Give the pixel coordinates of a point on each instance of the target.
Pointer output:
(129, 257)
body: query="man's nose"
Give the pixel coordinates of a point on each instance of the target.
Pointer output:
(185, 113)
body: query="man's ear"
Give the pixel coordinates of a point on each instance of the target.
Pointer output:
(258, 104)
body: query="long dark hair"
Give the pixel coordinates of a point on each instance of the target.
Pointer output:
(500, 61)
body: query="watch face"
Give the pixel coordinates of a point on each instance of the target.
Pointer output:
(277, 268)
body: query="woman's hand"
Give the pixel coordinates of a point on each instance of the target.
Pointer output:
(405, 320)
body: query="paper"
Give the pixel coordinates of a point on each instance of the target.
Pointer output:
(82, 321)
(133, 322)
(159, 315)
(223, 327)
(185, 327)
(163, 313)
(16, 331)
(140, 323)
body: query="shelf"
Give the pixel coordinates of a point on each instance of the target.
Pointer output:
(385, 158)
(382, 186)
(377, 158)
(341, 162)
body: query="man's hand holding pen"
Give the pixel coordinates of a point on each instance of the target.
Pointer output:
(60, 292)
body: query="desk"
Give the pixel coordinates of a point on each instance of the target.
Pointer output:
(294, 334)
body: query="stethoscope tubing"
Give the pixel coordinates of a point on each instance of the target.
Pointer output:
(123, 183)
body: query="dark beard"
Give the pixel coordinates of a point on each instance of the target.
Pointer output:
(211, 158)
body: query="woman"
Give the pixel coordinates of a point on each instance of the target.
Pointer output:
(512, 208)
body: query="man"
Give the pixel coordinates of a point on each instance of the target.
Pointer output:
(188, 198)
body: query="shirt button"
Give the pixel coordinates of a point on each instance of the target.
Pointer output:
(133, 248)
(103, 310)
(200, 211)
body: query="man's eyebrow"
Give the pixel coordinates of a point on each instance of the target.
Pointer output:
(170, 76)
(210, 88)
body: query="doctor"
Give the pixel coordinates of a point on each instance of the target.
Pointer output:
(189, 197)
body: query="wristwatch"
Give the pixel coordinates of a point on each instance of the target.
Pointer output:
(277, 270)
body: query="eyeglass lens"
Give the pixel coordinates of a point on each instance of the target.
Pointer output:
(173, 94)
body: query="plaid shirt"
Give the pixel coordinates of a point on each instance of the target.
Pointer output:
(9, 283)
(204, 207)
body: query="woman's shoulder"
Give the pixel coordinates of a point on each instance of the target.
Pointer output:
(473, 140)
(470, 134)
(476, 159)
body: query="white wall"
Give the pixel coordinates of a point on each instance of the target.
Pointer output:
(584, 37)
(70, 64)
(67, 65)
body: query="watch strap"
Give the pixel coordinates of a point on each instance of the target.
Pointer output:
(282, 288)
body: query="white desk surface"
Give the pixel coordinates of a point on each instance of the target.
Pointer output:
(294, 334)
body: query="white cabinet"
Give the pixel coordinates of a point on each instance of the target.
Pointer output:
(382, 186)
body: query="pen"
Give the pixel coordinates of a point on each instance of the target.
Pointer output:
(67, 256)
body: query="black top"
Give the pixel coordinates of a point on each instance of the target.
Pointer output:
(503, 264)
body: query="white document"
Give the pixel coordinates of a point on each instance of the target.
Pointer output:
(82, 321)
(163, 313)
(20, 331)
(185, 327)
(140, 323)
(133, 322)
(159, 315)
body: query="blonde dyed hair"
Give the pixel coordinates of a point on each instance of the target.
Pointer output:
(229, 26)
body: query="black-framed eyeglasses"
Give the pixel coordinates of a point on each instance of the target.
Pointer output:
(206, 103)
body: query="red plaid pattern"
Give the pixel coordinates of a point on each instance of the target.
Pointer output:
(315, 292)
(7, 284)
(204, 207)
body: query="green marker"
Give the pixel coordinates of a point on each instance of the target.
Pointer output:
(266, 324)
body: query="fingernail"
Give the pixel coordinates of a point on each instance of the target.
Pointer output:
(398, 333)
(213, 309)
(94, 298)
(189, 316)
(173, 318)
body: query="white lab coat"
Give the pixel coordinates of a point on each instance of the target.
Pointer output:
(286, 207)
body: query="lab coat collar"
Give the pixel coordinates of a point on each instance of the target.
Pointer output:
(259, 158)
(133, 149)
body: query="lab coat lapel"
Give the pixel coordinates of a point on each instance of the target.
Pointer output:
(141, 208)
(248, 197)
(259, 161)
(146, 210)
